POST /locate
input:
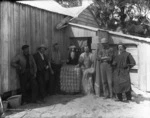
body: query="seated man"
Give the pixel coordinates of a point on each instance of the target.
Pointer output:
(86, 63)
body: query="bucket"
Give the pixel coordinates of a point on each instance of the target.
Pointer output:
(5, 105)
(14, 101)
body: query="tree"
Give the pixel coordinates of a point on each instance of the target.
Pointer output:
(129, 16)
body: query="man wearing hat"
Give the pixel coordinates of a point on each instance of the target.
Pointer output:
(42, 67)
(26, 68)
(105, 57)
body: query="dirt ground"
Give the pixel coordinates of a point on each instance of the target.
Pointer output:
(79, 106)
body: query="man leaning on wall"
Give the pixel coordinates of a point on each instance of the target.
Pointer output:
(26, 69)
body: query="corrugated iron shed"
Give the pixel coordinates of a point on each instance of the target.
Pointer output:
(55, 7)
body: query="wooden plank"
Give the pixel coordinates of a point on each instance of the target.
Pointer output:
(19, 28)
(49, 32)
(45, 28)
(60, 38)
(33, 30)
(27, 28)
(10, 45)
(14, 83)
(37, 27)
(54, 37)
(40, 27)
(42, 38)
(4, 47)
(17, 38)
(22, 27)
(1, 20)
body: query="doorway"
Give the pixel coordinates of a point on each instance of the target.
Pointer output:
(80, 42)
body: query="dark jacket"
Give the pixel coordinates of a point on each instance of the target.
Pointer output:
(41, 64)
(121, 76)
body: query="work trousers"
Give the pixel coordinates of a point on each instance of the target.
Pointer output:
(41, 84)
(106, 74)
(56, 68)
(28, 86)
(51, 85)
(128, 95)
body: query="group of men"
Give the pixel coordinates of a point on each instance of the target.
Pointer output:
(107, 70)
(38, 73)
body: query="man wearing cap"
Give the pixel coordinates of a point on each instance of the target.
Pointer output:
(26, 68)
(105, 57)
(42, 67)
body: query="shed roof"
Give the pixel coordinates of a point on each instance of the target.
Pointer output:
(55, 7)
(85, 27)
(128, 35)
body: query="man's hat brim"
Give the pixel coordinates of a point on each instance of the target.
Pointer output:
(42, 46)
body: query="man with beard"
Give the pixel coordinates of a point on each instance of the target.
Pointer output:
(122, 63)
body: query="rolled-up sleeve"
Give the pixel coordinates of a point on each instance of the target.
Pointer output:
(14, 62)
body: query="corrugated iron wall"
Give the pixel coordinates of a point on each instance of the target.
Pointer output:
(21, 24)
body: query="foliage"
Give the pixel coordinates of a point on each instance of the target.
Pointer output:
(127, 16)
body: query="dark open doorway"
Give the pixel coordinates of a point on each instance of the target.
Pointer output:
(80, 42)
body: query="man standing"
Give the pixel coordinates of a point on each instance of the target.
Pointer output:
(105, 57)
(26, 68)
(122, 63)
(42, 67)
(86, 62)
(56, 64)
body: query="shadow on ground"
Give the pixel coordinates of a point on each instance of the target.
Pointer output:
(64, 100)
(51, 100)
